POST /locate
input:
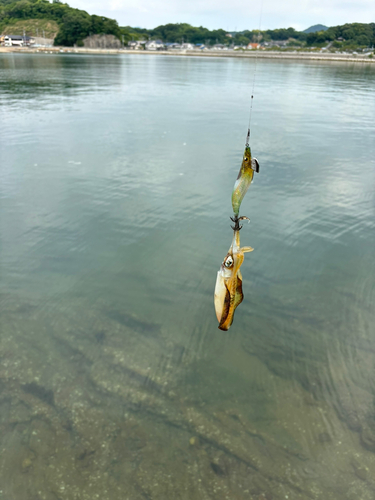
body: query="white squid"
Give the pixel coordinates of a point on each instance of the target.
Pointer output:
(228, 288)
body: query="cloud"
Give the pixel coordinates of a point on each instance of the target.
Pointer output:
(233, 15)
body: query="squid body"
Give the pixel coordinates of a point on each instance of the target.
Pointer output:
(228, 288)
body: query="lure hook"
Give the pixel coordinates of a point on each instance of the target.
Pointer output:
(237, 226)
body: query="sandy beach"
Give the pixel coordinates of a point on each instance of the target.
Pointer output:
(308, 56)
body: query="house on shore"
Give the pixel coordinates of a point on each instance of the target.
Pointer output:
(173, 46)
(253, 46)
(276, 43)
(154, 45)
(16, 41)
(219, 46)
(187, 46)
(137, 45)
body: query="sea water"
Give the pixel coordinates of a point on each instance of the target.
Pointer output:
(116, 175)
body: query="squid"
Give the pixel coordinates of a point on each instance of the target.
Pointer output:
(228, 289)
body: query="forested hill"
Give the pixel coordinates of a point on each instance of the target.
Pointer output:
(74, 24)
(348, 35)
(183, 32)
(316, 27)
(352, 35)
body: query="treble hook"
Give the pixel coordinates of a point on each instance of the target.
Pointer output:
(237, 226)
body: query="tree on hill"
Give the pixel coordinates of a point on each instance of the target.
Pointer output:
(74, 28)
(347, 35)
(185, 32)
(316, 27)
(74, 24)
(246, 37)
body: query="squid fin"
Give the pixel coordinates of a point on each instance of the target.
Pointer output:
(226, 309)
(238, 297)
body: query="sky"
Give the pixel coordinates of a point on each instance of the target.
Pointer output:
(232, 15)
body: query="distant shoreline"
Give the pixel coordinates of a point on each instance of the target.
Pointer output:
(305, 56)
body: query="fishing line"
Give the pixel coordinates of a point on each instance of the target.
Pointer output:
(228, 288)
(255, 70)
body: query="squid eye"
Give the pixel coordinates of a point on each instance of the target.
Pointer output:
(228, 262)
(245, 159)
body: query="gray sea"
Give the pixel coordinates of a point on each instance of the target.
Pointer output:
(116, 175)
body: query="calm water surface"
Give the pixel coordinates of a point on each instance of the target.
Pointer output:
(115, 181)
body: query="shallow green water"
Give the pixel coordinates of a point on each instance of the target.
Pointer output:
(115, 183)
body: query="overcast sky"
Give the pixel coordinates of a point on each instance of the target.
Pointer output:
(232, 15)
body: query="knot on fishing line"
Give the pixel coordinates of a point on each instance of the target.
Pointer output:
(248, 136)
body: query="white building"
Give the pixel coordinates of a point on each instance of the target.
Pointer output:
(154, 45)
(187, 46)
(17, 41)
(137, 45)
(219, 46)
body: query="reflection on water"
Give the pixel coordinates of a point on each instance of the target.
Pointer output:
(115, 183)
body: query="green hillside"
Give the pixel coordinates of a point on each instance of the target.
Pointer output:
(355, 35)
(32, 27)
(74, 24)
(316, 27)
(185, 32)
(351, 36)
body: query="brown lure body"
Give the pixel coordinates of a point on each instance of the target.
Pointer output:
(228, 288)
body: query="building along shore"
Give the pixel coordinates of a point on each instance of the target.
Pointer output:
(261, 54)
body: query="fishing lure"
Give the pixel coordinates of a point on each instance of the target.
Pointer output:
(245, 176)
(228, 289)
